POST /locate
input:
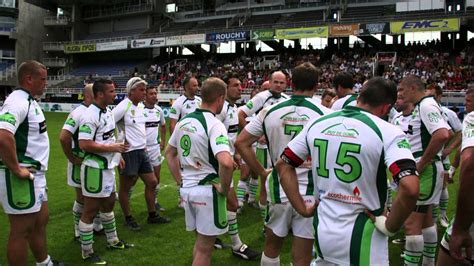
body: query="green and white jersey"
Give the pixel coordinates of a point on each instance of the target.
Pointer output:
(98, 124)
(403, 122)
(183, 106)
(72, 125)
(260, 101)
(350, 150)
(426, 119)
(392, 114)
(468, 131)
(130, 120)
(452, 119)
(230, 119)
(199, 137)
(280, 123)
(154, 118)
(22, 116)
(348, 100)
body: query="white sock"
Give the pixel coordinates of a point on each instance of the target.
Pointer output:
(430, 238)
(46, 262)
(108, 220)
(413, 249)
(157, 190)
(234, 230)
(97, 223)
(444, 201)
(77, 212)
(266, 261)
(87, 237)
(253, 184)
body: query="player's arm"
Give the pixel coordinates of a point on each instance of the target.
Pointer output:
(175, 112)
(453, 144)
(172, 158)
(405, 175)
(162, 136)
(465, 206)
(438, 139)
(242, 116)
(86, 140)
(226, 169)
(8, 154)
(250, 108)
(65, 137)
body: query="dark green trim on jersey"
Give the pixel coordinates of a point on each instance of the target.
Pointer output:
(220, 209)
(361, 239)
(316, 240)
(20, 191)
(310, 187)
(274, 186)
(381, 184)
(102, 110)
(209, 180)
(21, 141)
(295, 100)
(352, 98)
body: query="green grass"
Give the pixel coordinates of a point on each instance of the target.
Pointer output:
(168, 244)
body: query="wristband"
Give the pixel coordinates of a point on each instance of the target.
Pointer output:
(380, 225)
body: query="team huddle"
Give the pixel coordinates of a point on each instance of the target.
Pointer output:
(326, 167)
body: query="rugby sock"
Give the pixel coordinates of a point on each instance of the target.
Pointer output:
(266, 261)
(234, 230)
(76, 213)
(157, 190)
(108, 221)
(443, 202)
(46, 262)
(253, 189)
(430, 238)
(435, 213)
(87, 238)
(263, 211)
(413, 249)
(241, 189)
(97, 223)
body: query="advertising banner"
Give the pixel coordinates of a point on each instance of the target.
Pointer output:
(145, 43)
(341, 30)
(79, 48)
(447, 24)
(374, 28)
(237, 36)
(263, 34)
(298, 33)
(109, 46)
(186, 39)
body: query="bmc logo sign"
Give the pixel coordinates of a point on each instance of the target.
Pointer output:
(448, 24)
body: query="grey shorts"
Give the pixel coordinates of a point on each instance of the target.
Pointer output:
(136, 162)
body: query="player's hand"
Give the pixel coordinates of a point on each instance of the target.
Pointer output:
(451, 172)
(310, 209)
(458, 242)
(420, 167)
(262, 140)
(119, 147)
(25, 173)
(265, 173)
(121, 163)
(221, 189)
(237, 160)
(76, 160)
(379, 223)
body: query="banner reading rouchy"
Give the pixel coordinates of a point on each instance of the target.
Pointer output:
(237, 36)
(374, 28)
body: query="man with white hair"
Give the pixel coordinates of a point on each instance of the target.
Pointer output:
(130, 119)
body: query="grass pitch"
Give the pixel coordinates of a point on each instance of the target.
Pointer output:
(168, 244)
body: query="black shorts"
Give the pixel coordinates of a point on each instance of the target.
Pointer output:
(136, 162)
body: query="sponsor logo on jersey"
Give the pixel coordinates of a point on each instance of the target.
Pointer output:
(340, 130)
(222, 140)
(85, 129)
(344, 198)
(188, 128)
(294, 117)
(172, 110)
(70, 121)
(403, 144)
(468, 131)
(9, 118)
(249, 104)
(356, 191)
(42, 127)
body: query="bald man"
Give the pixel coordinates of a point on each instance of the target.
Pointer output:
(74, 154)
(263, 99)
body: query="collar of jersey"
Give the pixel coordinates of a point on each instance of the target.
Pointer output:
(299, 96)
(103, 110)
(204, 111)
(425, 97)
(275, 95)
(151, 108)
(30, 97)
(354, 108)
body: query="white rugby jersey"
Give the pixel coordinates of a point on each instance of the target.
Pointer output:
(392, 114)
(348, 100)
(468, 131)
(230, 119)
(183, 106)
(154, 118)
(131, 123)
(452, 119)
(72, 125)
(350, 151)
(403, 122)
(22, 116)
(426, 119)
(99, 125)
(260, 101)
(280, 123)
(199, 137)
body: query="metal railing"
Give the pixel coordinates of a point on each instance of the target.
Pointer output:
(55, 62)
(9, 72)
(108, 12)
(53, 46)
(56, 21)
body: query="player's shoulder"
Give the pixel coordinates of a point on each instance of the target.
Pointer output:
(179, 100)
(428, 102)
(317, 103)
(18, 99)
(469, 119)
